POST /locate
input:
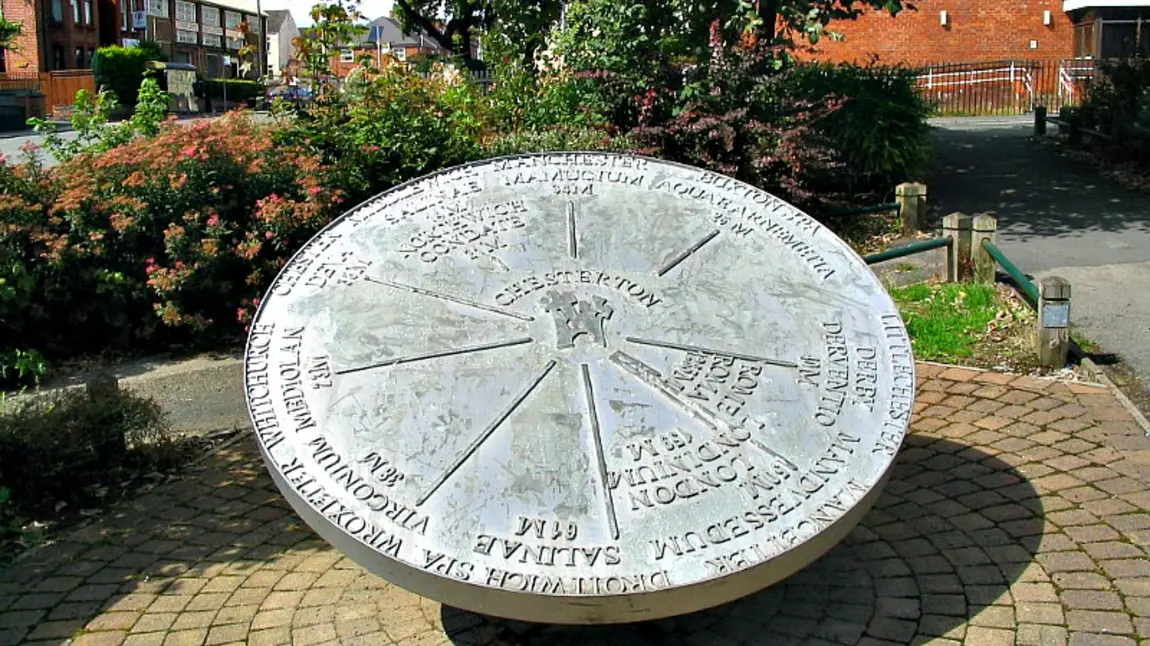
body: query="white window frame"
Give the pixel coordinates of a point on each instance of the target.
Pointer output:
(347, 56)
(229, 23)
(125, 18)
(158, 8)
(401, 54)
(185, 11)
(212, 40)
(253, 24)
(210, 16)
(187, 37)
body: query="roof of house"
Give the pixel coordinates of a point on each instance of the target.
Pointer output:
(389, 30)
(277, 18)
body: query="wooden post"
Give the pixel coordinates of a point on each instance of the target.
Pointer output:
(985, 227)
(958, 227)
(109, 442)
(1053, 322)
(911, 198)
(1040, 120)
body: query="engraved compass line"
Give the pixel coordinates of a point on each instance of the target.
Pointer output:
(602, 461)
(435, 355)
(653, 379)
(572, 240)
(687, 252)
(725, 353)
(482, 437)
(448, 297)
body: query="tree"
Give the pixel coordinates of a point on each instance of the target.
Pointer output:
(453, 24)
(9, 32)
(334, 26)
(781, 20)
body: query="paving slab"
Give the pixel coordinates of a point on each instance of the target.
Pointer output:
(975, 541)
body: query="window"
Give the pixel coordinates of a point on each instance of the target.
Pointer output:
(75, 12)
(235, 43)
(189, 37)
(125, 17)
(88, 13)
(91, 53)
(212, 40)
(3, 63)
(158, 8)
(346, 56)
(232, 20)
(211, 16)
(401, 54)
(57, 57)
(253, 24)
(185, 11)
(57, 11)
(1119, 39)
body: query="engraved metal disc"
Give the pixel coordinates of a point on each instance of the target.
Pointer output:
(579, 387)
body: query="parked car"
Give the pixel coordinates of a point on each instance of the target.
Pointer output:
(298, 95)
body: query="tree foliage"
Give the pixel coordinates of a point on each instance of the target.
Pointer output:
(9, 31)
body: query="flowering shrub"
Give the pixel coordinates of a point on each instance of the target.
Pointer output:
(191, 224)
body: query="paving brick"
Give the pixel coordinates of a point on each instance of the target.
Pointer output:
(108, 638)
(980, 636)
(1081, 581)
(1037, 635)
(1066, 562)
(1090, 639)
(1095, 621)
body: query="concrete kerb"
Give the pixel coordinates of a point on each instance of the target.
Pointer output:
(1118, 394)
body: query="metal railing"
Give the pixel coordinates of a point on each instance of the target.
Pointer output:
(1004, 87)
(1024, 284)
(910, 249)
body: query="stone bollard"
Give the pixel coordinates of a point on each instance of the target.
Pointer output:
(985, 227)
(1053, 322)
(112, 446)
(958, 227)
(1040, 120)
(911, 198)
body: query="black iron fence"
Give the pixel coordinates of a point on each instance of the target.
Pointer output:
(1005, 87)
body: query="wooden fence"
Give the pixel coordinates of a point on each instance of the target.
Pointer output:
(59, 88)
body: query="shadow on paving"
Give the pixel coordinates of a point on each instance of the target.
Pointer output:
(1033, 190)
(953, 531)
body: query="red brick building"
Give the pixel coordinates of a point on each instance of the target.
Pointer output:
(64, 34)
(385, 37)
(967, 31)
(58, 34)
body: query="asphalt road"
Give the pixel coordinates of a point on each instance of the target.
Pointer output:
(1056, 217)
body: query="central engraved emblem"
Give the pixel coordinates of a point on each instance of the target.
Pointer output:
(574, 317)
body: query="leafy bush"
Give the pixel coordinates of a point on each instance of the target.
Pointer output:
(880, 133)
(556, 139)
(72, 448)
(1118, 104)
(121, 70)
(238, 90)
(399, 126)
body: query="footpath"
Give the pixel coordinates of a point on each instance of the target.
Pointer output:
(1018, 513)
(1058, 217)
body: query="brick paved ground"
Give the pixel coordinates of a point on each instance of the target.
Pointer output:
(1018, 515)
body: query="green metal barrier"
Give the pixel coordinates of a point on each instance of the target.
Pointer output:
(909, 250)
(1028, 288)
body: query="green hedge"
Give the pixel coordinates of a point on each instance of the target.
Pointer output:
(121, 69)
(238, 89)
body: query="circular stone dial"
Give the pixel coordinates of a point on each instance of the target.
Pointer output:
(579, 387)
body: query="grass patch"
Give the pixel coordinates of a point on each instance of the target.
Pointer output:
(985, 325)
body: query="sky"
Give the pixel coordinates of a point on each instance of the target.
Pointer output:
(371, 9)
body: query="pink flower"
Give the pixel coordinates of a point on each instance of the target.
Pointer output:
(214, 221)
(179, 265)
(256, 301)
(269, 235)
(313, 190)
(150, 261)
(151, 269)
(188, 151)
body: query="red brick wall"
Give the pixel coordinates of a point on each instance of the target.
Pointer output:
(341, 68)
(976, 30)
(27, 57)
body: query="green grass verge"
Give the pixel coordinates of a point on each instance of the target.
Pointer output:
(946, 321)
